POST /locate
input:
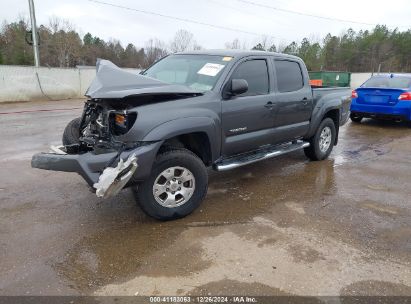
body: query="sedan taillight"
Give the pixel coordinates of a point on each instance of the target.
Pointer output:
(354, 94)
(405, 96)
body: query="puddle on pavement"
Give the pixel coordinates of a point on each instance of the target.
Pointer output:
(398, 238)
(114, 254)
(236, 288)
(17, 209)
(302, 254)
(376, 288)
(366, 141)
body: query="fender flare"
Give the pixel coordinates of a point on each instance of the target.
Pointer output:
(319, 113)
(187, 125)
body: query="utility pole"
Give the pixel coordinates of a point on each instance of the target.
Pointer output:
(34, 34)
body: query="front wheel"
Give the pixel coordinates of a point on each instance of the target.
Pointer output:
(177, 185)
(322, 143)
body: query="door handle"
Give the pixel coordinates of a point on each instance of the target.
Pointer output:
(305, 100)
(269, 105)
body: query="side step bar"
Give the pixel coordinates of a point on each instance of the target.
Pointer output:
(249, 158)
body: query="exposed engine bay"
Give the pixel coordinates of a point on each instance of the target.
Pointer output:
(100, 125)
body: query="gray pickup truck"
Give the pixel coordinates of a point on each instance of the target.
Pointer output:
(159, 131)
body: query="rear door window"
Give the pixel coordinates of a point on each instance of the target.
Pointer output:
(255, 72)
(289, 76)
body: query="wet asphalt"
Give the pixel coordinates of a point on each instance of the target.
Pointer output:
(285, 226)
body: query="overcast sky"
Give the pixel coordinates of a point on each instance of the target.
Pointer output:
(136, 27)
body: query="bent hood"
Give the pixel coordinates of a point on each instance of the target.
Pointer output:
(114, 82)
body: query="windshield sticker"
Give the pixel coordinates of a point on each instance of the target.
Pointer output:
(210, 69)
(227, 58)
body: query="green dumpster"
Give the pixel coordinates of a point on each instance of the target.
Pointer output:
(330, 78)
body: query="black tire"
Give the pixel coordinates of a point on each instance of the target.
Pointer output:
(71, 133)
(355, 117)
(173, 158)
(314, 152)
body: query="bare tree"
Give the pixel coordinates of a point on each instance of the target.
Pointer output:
(154, 50)
(183, 40)
(65, 42)
(281, 47)
(235, 44)
(264, 42)
(197, 47)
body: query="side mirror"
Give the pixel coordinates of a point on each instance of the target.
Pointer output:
(235, 87)
(238, 86)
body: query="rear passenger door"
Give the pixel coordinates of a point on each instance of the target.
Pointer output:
(293, 100)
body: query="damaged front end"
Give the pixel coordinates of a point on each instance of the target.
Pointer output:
(100, 125)
(104, 161)
(102, 155)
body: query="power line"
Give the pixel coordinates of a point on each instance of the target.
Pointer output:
(248, 13)
(183, 19)
(301, 13)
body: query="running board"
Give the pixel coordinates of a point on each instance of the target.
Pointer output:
(249, 158)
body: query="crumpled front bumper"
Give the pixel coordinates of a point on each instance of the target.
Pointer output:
(90, 165)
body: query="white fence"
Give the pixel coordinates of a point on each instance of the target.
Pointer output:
(22, 83)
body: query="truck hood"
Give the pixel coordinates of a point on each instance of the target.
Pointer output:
(114, 82)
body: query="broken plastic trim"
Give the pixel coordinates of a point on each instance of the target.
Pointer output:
(57, 150)
(112, 180)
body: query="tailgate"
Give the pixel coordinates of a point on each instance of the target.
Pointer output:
(379, 96)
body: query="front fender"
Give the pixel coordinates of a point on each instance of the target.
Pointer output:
(188, 125)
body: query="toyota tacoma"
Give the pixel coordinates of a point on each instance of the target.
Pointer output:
(159, 131)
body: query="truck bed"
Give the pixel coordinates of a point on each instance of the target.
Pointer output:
(323, 94)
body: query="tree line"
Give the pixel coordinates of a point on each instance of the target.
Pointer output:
(379, 49)
(62, 46)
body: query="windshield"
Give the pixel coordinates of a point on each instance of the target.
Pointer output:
(199, 72)
(396, 82)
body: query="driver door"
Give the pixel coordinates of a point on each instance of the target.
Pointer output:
(248, 118)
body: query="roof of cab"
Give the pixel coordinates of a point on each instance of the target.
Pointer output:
(236, 53)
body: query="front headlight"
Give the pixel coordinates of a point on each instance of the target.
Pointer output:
(121, 122)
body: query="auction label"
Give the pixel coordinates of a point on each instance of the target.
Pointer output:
(210, 69)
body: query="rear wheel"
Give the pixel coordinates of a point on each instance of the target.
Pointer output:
(356, 117)
(322, 143)
(71, 133)
(176, 187)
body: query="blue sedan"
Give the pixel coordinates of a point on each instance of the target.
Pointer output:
(385, 96)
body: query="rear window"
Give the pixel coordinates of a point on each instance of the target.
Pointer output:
(289, 76)
(396, 82)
